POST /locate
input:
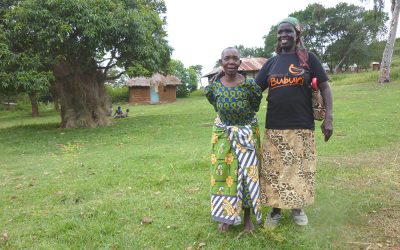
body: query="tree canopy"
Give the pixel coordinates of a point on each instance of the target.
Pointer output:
(21, 71)
(251, 52)
(129, 34)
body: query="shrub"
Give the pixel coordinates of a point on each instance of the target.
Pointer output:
(118, 94)
(182, 91)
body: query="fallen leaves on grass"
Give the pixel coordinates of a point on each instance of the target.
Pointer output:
(4, 237)
(273, 235)
(59, 193)
(192, 190)
(197, 245)
(146, 220)
(70, 147)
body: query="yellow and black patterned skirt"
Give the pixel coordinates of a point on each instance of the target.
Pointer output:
(287, 175)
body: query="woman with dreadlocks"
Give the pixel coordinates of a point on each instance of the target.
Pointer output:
(287, 175)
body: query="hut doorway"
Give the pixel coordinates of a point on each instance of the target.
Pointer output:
(154, 98)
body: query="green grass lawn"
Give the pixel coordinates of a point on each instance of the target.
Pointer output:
(91, 188)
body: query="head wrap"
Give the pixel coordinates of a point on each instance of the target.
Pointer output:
(293, 21)
(301, 51)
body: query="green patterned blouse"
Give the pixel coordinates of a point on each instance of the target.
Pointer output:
(235, 105)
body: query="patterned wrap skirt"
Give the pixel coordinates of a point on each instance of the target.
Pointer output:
(287, 174)
(234, 172)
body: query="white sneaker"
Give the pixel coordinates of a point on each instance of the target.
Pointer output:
(272, 221)
(299, 217)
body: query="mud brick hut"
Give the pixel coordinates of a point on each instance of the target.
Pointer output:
(154, 90)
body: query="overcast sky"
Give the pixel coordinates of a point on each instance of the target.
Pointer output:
(199, 30)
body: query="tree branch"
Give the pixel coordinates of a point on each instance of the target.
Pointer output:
(107, 67)
(109, 78)
(106, 59)
(110, 63)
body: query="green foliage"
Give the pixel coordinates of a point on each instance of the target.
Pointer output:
(197, 72)
(192, 79)
(353, 30)
(118, 94)
(117, 80)
(270, 41)
(87, 29)
(188, 76)
(21, 71)
(198, 92)
(251, 52)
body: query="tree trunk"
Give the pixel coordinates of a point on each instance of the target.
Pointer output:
(384, 75)
(34, 103)
(84, 102)
(54, 95)
(56, 103)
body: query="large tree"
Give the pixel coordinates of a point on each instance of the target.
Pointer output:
(352, 29)
(81, 40)
(197, 70)
(188, 76)
(251, 52)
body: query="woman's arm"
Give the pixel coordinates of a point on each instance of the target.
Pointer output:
(326, 126)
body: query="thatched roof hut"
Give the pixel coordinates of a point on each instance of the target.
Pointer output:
(153, 90)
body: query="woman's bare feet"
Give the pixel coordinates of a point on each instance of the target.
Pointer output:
(223, 227)
(248, 224)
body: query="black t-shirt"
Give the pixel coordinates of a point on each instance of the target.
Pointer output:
(289, 94)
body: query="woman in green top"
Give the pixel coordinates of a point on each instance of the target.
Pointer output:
(235, 144)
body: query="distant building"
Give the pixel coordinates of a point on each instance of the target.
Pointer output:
(375, 65)
(353, 68)
(249, 67)
(153, 90)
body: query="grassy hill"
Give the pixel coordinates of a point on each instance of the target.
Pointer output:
(92, 188)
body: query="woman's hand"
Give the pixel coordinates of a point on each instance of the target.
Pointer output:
(327, 128)
(220, 73)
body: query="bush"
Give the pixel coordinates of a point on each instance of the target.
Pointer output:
(198, 92)
(182, 91)
(118, 94)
